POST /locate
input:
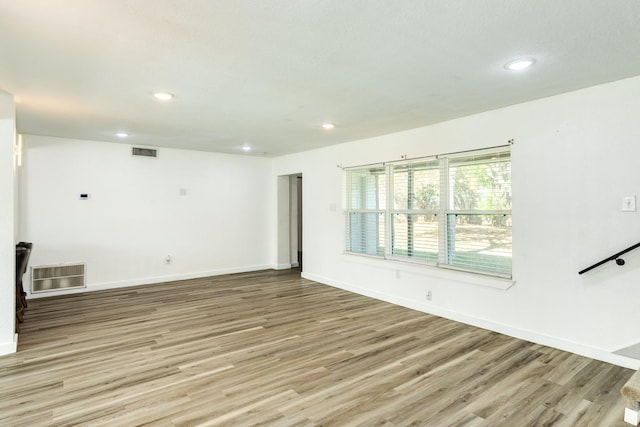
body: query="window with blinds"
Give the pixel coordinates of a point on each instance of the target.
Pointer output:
(414, 210)
(365, 206)
(451, 210)
(478, 220)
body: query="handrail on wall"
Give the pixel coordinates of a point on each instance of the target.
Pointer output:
(613, 257)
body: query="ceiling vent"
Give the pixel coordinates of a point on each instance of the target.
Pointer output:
(144, 152)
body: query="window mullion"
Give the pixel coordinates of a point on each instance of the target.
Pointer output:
(388, 217)
(410, 218)
(443, 256)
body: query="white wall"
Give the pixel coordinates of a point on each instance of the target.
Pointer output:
(136, 215)
(7, 225)
(575, 156)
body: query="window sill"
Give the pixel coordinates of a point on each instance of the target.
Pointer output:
(441, 272)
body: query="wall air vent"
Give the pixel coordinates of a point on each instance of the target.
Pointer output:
(144, 152)
(57, 277)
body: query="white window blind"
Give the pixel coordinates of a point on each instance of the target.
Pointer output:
(453, 211)
(365, 207)
(478, 220)
(414, 210)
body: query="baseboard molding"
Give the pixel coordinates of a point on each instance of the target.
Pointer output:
(532, 336)
(152, 280)
(282, 267)
(10, 346)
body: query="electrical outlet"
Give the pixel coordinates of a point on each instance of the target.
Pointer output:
(429, 295)
(629, 204)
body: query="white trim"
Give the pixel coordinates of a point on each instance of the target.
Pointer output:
(632, 417)
(432, 270)
(9, 347)
(157, 279)
(282, 267)
(550, 341)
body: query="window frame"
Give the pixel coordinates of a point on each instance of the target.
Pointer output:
(445, 211)
(354, 209)
(410, 210)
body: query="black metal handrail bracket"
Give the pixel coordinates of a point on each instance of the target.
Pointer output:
(614, 257)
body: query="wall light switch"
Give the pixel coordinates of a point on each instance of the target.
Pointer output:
(629, 204)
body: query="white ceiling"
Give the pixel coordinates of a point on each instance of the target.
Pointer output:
(269, 73)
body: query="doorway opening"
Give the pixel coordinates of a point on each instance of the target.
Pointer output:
(290, 234)
(298, 221)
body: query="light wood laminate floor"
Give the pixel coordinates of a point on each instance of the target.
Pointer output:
(270, 348)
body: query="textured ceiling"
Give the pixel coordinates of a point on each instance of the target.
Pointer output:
(269, 73)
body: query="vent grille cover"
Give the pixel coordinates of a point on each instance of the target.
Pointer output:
(144, 152)
(55, 277)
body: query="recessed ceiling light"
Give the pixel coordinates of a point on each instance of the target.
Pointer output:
(122, 134)
(246, 148)
(163, 96)
(519, 64)
(328, 126)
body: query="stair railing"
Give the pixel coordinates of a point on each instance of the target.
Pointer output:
(614, 257)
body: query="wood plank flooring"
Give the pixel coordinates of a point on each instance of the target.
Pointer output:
(269, 348)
